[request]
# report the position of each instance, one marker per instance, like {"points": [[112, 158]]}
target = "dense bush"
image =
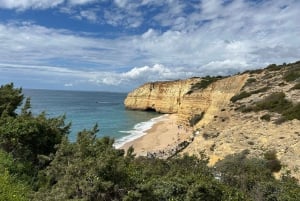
{"points": [[275, 102], [10, 99], [292, 112], [266, 117], [292, 74], [37, 162], [274, 67]]}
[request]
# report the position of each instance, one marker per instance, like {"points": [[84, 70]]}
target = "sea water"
{"points": [[84, 109]]}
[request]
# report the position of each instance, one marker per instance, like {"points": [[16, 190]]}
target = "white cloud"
{"points": [[68, 85], [40, 4], [80, 2], [213, 38], [29, 4], [90, 15]]}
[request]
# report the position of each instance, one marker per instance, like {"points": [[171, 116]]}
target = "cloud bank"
{"points": [[172, 39]]}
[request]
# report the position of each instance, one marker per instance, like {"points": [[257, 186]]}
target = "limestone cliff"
{"points": [[163, 97], [233, 125], [174, 97]]}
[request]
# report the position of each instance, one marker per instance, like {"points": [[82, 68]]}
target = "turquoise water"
{"points": [[85, 109]]}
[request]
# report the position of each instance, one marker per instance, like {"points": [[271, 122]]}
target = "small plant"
{"points": [[251, 80], [292, 75], [245, 94], [255, 71], [240, 96], [196, 118], [292, 112], [260, 90], [275, 102], [281, 84], [273, 67], [266, 117], [272, 162]]}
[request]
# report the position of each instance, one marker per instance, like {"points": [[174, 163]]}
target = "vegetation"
{"points": [[245, 94], [276, 102], [205, 82], [292, 74], [196, 118], [274, 67], [37, 162], [251, 80], [266, 117]]}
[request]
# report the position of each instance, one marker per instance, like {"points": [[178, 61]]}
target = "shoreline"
{"points": [[163, 136]]}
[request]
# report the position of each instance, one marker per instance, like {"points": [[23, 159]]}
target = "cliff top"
{"points": [[257, 110]]}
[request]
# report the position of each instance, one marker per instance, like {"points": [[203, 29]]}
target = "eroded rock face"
{"points": [[211, 99], [163, 97], [173, 97], [225, 129]]}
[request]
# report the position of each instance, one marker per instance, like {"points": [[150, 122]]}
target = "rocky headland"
{"points": [[258, 111]]}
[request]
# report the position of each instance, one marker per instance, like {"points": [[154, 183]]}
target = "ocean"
{"points": [[84, 109]]}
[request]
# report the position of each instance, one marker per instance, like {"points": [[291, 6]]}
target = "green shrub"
{"points": [[196, 118], [245, 94], [272, 163], [273, 67], [251, 80], [292, 75], [204, 82], [240, 96], [11, 189], [266, 117], [292, 112], [260, 90], [275, 102], [255, 71]]}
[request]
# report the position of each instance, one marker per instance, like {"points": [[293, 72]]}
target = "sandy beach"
{"points": [[164, 135]]}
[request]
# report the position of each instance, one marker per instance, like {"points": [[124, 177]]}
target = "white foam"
{"points": [[138, 131]]}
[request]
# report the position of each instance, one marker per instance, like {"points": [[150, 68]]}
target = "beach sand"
{"points": [[164, 135]]}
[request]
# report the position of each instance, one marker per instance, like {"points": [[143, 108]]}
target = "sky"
{"points": [[117, 45]]}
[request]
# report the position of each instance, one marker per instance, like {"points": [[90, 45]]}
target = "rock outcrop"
{"points": [[163, 97], [224, 126]]}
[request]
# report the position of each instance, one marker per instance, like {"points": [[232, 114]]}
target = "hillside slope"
{"points": [[257, 110]]}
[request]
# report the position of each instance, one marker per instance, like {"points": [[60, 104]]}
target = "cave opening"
{"points": [[150, 109]]}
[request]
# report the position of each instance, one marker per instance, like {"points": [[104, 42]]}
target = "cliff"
{"points": [[232, 114], [163, 97]]}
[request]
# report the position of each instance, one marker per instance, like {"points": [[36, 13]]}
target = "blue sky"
{"points": [[116, 45]]}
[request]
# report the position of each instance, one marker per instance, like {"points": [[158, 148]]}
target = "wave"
{"points": [[138, 131]]}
